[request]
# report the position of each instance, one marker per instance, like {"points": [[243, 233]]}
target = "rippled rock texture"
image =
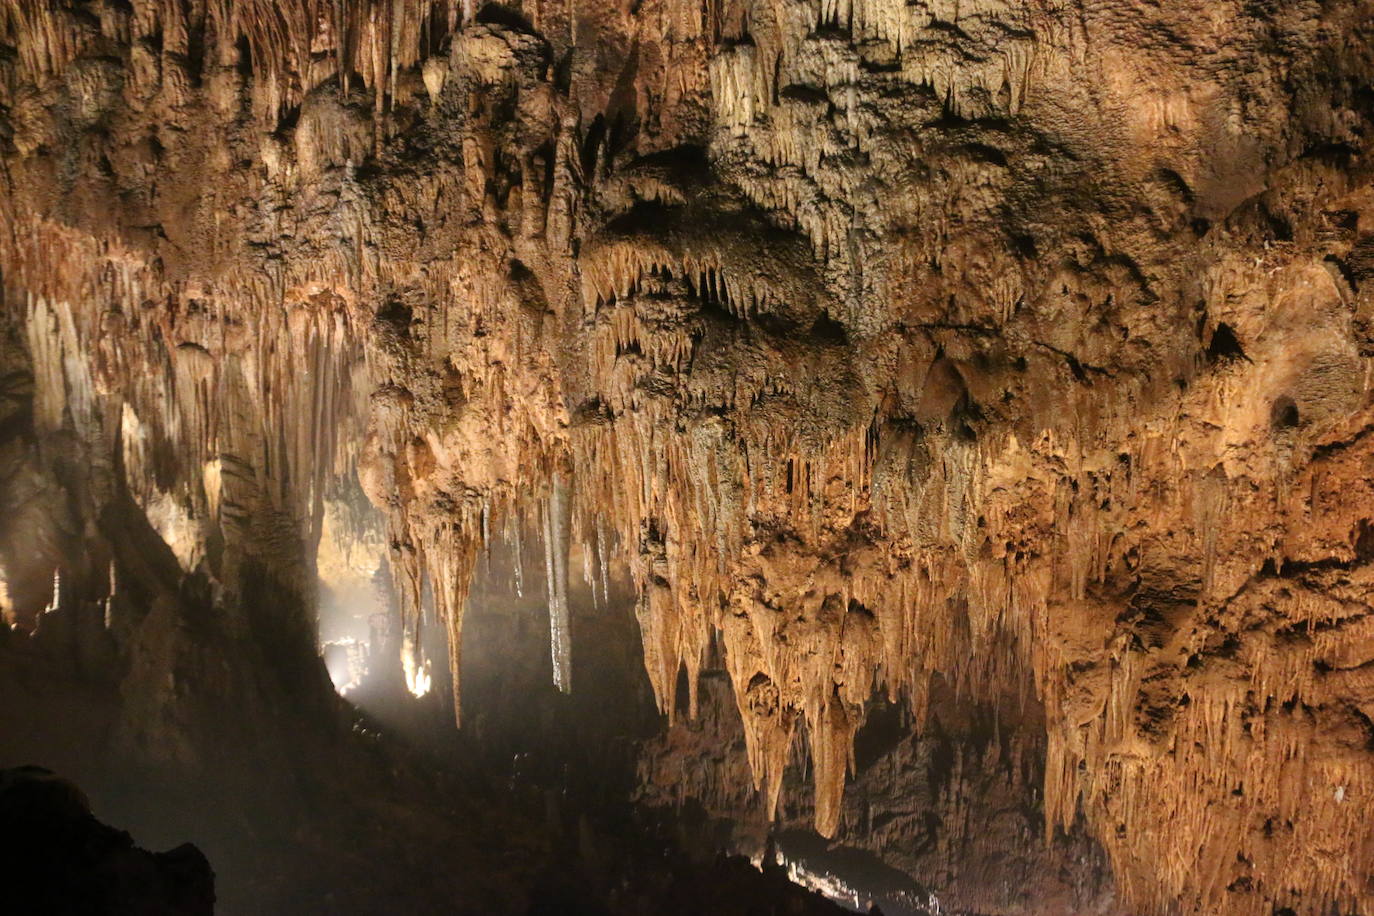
{"points": [[1008, 362]]}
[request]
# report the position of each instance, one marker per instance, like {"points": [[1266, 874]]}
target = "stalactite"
{"points": [[603, 560], [556, 560], [1061, 523], [518, 541]]}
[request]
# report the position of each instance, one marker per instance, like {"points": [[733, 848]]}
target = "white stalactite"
{"points": [[556, 571]]}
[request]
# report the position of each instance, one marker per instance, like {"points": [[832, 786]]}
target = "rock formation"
{"points": [[57, 858], [971, 356]]}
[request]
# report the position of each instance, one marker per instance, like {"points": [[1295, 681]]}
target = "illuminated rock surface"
{"points": [[1000, 366]]}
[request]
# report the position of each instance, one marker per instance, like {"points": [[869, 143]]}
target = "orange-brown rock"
{"points": [[1008, 347]]}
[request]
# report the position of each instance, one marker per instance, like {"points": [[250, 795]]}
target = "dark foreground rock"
{"points": [[57, 858]]}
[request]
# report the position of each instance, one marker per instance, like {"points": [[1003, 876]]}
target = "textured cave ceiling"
{"points": [[994, 354]]}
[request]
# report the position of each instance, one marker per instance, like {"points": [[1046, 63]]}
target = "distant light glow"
{"points": [[418, 679], [836, 888], [55, 601], [346, 661], [6, 610]]}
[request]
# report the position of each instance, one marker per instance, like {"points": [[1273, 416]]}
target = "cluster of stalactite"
{"points": [[225, 425], [872, 342], [951, 804]]}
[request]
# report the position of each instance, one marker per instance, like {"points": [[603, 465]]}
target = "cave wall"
{"points": [[909, 348]]}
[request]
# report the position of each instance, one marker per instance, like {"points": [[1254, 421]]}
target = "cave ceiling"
{"points": [[1022, 346]]}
